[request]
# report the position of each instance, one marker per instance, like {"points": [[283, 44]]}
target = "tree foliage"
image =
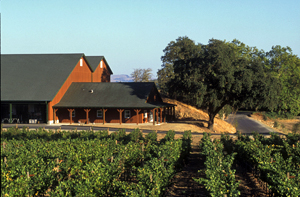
{"points": [[285, 66], [164, 75], [142, 75], [183, 48], [218, 74]]}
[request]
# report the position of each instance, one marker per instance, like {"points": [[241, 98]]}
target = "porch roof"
{"points": [[109, 95]]}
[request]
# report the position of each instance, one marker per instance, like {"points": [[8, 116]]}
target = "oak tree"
{"points": [[218, 74]]}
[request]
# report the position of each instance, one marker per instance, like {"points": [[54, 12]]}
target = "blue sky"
{"points": [[133, 34]]}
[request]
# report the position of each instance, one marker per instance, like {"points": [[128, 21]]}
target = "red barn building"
{"points": [[73, 88]]}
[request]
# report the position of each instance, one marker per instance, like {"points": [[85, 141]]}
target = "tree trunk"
{"points": [[211, 121]]}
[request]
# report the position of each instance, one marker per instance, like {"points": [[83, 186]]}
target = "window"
{"points": [[81, 62], [127, 114], [99, 114], [101, 64]]}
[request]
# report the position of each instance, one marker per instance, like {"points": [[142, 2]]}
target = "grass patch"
{"points": [[276, 115], [296, 128]]}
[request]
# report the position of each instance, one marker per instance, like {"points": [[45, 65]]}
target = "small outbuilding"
{"points": [[129, 102]]}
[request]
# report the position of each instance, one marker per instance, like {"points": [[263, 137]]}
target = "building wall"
{"points": [[79, 74], [111, 116], [101, 74]]}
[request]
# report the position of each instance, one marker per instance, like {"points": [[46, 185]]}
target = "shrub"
{"points": [[289, 116], [276, 124], [296, 128], [272, 115], [265, 117], [276, 115]]}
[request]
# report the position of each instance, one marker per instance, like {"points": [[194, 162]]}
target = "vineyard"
{"points": [[89, 163], [274, 161]]}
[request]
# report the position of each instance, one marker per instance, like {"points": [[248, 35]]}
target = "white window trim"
{"points": [[81, 62], [101, 114], [125, 113], [101, 64]]}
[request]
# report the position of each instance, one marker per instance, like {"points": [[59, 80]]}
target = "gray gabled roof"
{"points": [[109, 95], [35, 77], [95, 60]]}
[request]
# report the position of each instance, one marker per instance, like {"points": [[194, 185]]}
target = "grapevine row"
{"points": [[276, 159], [220, 177]]}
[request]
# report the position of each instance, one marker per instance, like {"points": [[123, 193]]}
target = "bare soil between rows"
{"points": [[183, 183]]}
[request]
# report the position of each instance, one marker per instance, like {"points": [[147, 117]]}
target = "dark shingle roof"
{"points": [[95, 60], [35, 77], [109, 95]]}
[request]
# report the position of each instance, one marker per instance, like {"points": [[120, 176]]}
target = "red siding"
{"points": [[101, 74], [79, 74]]}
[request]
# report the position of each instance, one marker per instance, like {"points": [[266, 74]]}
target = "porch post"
{"points": [[160, 114], [137, 115], [10, 112], [120, 111], [46, 112], [173, 112], [70, 111], [87, 115], [153, 116], [54, 115], [104, 110], [157, 116], [165, 114]]}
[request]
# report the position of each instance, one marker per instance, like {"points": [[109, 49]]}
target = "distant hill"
{"points": [[121, 78]]}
